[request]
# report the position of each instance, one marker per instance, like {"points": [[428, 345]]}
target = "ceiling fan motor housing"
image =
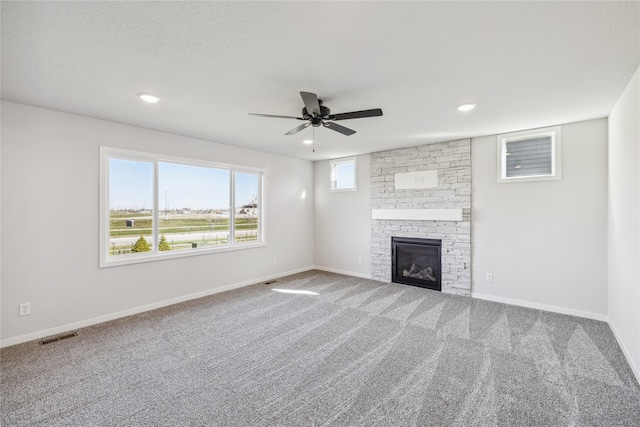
{"points": [[325, 112]]}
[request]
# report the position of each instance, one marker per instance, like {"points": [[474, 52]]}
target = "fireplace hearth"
{"points": [[416, 261]]}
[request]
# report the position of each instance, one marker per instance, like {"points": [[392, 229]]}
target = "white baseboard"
{"points": [[545, 307], [625, 351], [345, 272], [135, 310]]}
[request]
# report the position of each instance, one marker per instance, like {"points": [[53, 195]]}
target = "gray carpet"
{"points": [[359, 353]]}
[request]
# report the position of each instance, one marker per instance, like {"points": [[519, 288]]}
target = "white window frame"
{"points": [[107, 153], [334, 163], [554, 132]]}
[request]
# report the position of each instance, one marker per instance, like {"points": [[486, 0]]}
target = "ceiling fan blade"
{"points": [[343, 130], [298, 128], [357, 114], [276, 116], [311, 103]]}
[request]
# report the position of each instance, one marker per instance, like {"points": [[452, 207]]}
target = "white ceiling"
{"points": [[525, 64]]}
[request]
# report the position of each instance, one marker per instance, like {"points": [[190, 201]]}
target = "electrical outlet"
{"points": [[25, 309], [489, 277], [359, 260], [275, 260]]}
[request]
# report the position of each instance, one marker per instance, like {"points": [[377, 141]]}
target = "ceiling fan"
{"points": [[317, 114]]}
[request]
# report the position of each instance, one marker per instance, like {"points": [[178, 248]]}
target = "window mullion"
{"points": [[156, 201], [232, 209], [260, 211]]}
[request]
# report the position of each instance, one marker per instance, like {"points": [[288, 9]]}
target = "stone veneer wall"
{"points": [[453, 162]]}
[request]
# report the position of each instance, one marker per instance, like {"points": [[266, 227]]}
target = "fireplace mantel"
{"points": [[418, 214]]}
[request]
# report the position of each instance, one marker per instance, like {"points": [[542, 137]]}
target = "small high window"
{"points": [[532, 155], [344, 174]]}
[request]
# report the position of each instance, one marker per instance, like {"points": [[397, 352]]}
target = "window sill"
{"points": [[530, 178], [137, 259], [342, 190]]}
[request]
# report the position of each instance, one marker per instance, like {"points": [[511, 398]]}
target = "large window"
{"points": [[155, 207], [529, 155]]}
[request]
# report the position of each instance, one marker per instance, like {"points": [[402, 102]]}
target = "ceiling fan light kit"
{"points": [[318, 115]]}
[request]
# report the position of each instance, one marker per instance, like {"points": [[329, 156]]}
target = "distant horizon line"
{"points": [[252, 206]]}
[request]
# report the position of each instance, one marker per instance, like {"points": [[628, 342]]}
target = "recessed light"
{"points": [[308, 141], [149, 97], [466, 107]]}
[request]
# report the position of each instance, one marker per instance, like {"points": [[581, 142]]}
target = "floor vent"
{"points": [[58, 338], [270, 282]]}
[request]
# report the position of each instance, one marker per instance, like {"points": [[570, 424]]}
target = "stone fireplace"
{"points": [[424, 192]]}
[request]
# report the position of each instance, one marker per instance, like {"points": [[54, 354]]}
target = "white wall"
{"points": [[343, 222], [50, 224], [545, 242], [624, 222]]}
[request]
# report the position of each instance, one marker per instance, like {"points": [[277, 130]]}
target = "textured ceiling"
{"points": [[525, 64]]}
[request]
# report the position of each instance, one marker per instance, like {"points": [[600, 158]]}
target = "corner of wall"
{"points": [[623, 222]]}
